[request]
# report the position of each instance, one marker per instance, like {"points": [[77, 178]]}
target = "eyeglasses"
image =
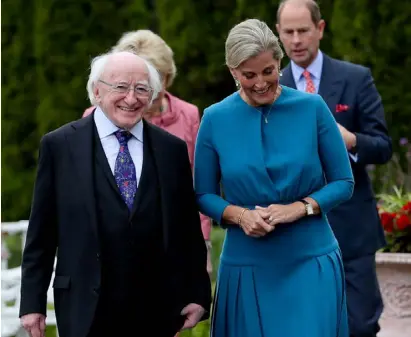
{"points": [[140, 90]]}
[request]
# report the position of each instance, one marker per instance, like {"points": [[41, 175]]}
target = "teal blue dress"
{"points": [[289, 283]]}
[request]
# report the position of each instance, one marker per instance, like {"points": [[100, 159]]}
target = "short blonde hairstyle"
{"points": [[249, 39], [153, 48]]}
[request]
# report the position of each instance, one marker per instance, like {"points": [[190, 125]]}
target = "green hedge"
{"points": [[47, 46]]}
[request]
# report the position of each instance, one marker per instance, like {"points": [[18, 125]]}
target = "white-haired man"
{"points": [[114, 197]]}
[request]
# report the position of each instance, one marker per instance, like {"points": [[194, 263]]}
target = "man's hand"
{"points": [[34, 324], [350, 139], [193, 313]]}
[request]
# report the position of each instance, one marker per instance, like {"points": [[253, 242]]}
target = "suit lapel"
{"points": [[161, 155], [80, 142], [331, 83], [287, 78]]}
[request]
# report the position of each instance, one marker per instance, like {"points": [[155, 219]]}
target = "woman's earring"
{"points": [[280, 73], [237, 83]]}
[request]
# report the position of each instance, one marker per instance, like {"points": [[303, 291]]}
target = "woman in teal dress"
{"points": [[279, 158]]}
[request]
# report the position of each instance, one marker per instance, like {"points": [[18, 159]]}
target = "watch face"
{"points": [[310, 210]]}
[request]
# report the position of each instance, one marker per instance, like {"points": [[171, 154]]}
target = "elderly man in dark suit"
{"points": [[114, 198], [352, 97]]}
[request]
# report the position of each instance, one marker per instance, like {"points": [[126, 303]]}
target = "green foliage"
{"points": [[47, 47], [394, 202], [373, 34], [397, 172]]}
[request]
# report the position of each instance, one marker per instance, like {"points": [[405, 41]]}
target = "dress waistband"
{"points": [[288, 243]]}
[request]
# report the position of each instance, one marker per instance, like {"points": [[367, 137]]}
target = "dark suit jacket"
{"points": [[63, 218], [355, 223]]}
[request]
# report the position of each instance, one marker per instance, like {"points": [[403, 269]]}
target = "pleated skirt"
{"points": [[290, 299]]}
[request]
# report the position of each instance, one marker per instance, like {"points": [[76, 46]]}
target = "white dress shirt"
{"points": [[111, 145], [315, 69]]}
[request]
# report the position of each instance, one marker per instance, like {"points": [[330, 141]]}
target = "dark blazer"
{"points": [[350, 93], [63, 219]]}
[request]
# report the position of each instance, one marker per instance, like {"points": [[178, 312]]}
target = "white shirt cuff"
{"points": [[354, 157]]}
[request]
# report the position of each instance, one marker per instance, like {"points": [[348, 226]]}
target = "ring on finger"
{"points": [[270, 218]]}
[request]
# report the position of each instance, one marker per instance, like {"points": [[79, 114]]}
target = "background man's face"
{"points": [[298, 33]]}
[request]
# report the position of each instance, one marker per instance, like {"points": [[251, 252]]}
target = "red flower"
{"points": [[407, 207], [403, 222], [387, 220]]}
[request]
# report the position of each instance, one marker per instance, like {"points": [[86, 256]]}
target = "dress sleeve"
{"points": [[205, 221], [207, 173], [334, 159]]}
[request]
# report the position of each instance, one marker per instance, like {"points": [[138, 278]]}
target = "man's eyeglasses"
{"points": [[141, 90]]}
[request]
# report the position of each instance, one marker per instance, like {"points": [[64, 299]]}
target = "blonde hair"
{"points": [[153, 48], [248, 39]]}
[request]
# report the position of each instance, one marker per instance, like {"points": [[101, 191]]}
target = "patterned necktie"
{"points": [[124, 169], [309, 84]]}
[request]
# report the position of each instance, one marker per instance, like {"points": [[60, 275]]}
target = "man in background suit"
{"points": [[352, 97], [114, 197]]}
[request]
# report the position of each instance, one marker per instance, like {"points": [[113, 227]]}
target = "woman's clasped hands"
{"points": [[263, 220]]}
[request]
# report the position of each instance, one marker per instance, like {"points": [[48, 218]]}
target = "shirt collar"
{"points": [[315, 68], [105, 126]]}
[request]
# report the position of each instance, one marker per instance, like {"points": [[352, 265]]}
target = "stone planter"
{"points": [[394, 276]]}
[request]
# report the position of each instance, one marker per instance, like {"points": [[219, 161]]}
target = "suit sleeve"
{"points": [[207, 173], [194, 248], [334, 159], [41, 242], [373, 143]]}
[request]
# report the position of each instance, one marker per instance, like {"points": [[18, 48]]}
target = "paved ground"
{"points": [[395, 328]]}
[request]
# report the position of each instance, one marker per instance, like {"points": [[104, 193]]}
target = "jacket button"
{"points": [[98, 256], [96, 291]]}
